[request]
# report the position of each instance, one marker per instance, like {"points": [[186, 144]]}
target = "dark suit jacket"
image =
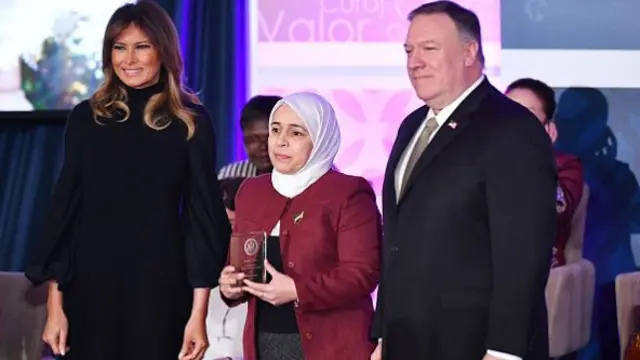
{"points": [[332, 254], [467, 248]]}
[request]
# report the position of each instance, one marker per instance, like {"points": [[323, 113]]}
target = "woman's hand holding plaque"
{"points": [[280, 290], [230, 282]]}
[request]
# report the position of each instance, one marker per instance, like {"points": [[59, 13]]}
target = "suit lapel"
{"points": [[405, 133], [455, 125]]}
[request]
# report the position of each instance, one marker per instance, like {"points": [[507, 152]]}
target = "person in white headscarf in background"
{"points": [[323, 252]]}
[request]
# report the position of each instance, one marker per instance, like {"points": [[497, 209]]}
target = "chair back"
{"points": [[627, 299], [23, 314]]}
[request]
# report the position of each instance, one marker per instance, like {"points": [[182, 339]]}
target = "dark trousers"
{"points": [[279, 346]]}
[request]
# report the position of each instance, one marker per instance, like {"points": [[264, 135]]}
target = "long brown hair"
{"points": [[111, 95]]}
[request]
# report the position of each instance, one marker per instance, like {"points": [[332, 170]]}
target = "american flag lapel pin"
{"points": [[452, 124], [298, 217]]}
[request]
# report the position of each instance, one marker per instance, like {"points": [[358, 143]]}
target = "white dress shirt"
{"points": [[441, 118]]}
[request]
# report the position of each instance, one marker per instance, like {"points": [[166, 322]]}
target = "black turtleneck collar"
{"points": [[142, 95]]}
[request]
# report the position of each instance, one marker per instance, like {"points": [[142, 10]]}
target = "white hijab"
{"points": [[320, 120]]}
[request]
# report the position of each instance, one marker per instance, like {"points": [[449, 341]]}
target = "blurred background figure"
{"points": [[229, 187], [254, 123], [540, 99], [225, 324]]}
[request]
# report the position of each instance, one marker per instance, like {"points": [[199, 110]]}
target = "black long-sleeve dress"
{"points": [[136, 222]]}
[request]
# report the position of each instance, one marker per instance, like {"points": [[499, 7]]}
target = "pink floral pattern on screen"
{"points": [[369, 121]]}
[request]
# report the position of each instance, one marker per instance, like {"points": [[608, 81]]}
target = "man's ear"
{"points": [[471, 52]]}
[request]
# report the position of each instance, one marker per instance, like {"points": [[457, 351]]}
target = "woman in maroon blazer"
{"points": [[540, 99], [323, 249]]}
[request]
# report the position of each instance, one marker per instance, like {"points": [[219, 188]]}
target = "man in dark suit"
{"points": [[469, 203]]}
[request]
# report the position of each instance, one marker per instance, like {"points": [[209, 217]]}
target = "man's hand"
{"points": [[489, 357], [377, 353]]}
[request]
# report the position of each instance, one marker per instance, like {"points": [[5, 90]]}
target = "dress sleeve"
{"points": [[520, 186], [50, 259], [206, 223]]}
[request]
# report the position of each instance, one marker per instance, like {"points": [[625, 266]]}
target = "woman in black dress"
{"points": [[137, 233]]}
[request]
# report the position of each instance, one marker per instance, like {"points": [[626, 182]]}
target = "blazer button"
{"points": [[290, 265], [308, 335], [394, 248], [285, 232]]}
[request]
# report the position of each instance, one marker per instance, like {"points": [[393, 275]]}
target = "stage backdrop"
{"points": [[351, 52], [589, 51], [50, 52]]}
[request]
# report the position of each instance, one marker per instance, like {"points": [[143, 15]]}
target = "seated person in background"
{"points": [[229, 189], [254, 122], [224, 325], [324, 246], [540, 99]]}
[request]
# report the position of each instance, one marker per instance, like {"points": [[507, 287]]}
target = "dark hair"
{"points": [[466, 20], [229, 188], [111, 95], [542, 91], [258, 108]]}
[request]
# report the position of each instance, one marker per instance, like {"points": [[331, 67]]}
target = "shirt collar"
{"points": [[446, 112]]}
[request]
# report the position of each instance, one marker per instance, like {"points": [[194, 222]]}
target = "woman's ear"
{"points": [[552, 130], [231, 215]]}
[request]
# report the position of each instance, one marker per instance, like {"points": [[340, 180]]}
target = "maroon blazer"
{"points": [[332, 253], [570, 186]]}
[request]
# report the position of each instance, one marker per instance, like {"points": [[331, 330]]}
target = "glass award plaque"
{"points": [[247, 253]]}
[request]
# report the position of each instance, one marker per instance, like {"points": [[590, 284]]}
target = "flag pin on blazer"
{"points": [[452, 124], [298, 217]]}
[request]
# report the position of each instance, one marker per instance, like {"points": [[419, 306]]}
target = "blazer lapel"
{"points": [[405, 133], [455, 124], [275, 206]]}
